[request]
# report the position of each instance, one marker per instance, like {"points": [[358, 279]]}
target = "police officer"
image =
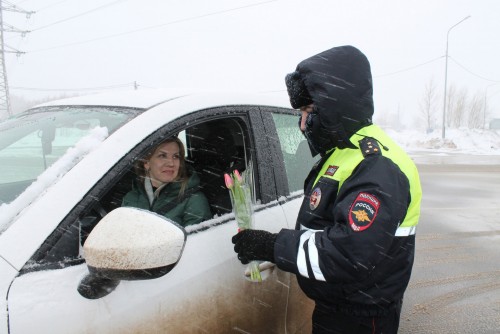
{"points": [[353, 246]]}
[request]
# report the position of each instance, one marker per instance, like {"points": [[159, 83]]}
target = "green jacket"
{"points": [[192, 209]]}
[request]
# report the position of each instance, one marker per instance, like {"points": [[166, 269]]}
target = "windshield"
{"points": [[33, 141]]}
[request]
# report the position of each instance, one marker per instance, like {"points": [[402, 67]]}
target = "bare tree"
{"points": [[457, 107], [461, 108], [476, 110], [464, 111], [383, 118], [428, 106]]}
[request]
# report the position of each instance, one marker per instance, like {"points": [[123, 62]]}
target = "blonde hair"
{"points": [[182, 176]]}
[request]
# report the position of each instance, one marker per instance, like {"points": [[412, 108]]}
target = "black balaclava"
{"points": [[338, 82]]}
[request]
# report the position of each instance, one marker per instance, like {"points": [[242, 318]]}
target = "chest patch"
{"points": [[363, 211], [315, 198], [331, 170]]}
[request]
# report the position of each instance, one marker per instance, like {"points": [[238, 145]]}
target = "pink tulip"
{"points": [[229, 181], [242, 209], [238, 176]]}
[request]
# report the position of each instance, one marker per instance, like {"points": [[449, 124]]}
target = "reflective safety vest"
{"points": [[384, 145]]}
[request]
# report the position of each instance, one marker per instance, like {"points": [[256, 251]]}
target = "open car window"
{"points": [[213, 147]]}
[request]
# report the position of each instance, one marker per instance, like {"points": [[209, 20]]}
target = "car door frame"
{"points": [[300, 307], [265, 173]]}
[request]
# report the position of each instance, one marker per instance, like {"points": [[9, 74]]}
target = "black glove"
{"points": [[254, 245]]}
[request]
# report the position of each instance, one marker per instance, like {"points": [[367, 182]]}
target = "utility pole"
{"points": [[5, 110], [443, 132]]}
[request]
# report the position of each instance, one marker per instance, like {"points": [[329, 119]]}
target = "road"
{"points": [[455, 284]]}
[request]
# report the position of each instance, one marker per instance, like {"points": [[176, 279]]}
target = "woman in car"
{"points": [[167, 186]]}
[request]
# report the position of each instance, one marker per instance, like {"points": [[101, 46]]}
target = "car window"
{"points": [[213, 147], [296, 154], [218, 147], [33, 141]]}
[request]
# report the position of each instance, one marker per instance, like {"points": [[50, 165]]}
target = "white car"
{"points": [[65, 165]]}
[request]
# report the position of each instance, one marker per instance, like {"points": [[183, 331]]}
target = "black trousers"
{"points": [[329, 322]]}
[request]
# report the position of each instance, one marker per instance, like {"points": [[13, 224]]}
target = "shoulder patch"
{"points": [[369, 146], [363, 211], [315, 198]]}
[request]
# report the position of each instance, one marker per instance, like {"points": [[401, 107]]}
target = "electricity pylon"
{"points": [[5, 110], [4, 86]]}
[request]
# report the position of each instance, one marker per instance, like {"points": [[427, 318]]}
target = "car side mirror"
{"points": [[129, 244]]}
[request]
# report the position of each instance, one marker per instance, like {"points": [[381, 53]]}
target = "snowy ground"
{"points": [[457, 141]]}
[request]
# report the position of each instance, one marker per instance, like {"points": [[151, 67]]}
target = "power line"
{"points": [[50, 6], [78, 15], [154, 26], [408, 69], [9, 49], [9, 6], [43, 8], [433, 60], [474, 74]]}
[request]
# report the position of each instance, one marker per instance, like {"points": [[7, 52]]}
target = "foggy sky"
{"points": [[77, 46]]}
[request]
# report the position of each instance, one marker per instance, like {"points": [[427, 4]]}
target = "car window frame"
{"points": [[282, 186], [264, 174], [291, 191]]}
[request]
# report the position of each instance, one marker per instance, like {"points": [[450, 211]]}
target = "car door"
{"points": [[206, 292], [295, 160]]}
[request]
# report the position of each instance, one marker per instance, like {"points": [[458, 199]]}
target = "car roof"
{"points": [[148, 98]]}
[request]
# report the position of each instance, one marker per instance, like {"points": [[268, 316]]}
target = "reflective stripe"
{"points": [[308, 239], [301, 256], [314, 258], [406, 231]]}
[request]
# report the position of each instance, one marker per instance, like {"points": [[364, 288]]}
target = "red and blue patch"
{"points": [[315, 198], [363, 211], [331, 170]]}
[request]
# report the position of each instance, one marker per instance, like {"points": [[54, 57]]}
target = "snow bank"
{"points": [[466, 141]]}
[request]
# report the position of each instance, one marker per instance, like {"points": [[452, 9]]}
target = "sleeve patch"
{"points": [[363, 211], [315, 198]]}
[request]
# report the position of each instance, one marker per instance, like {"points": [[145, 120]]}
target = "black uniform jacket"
{"points": [[355, 263]]}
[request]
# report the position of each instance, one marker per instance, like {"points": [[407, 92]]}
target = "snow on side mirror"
{"points": [[129, 244]]}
